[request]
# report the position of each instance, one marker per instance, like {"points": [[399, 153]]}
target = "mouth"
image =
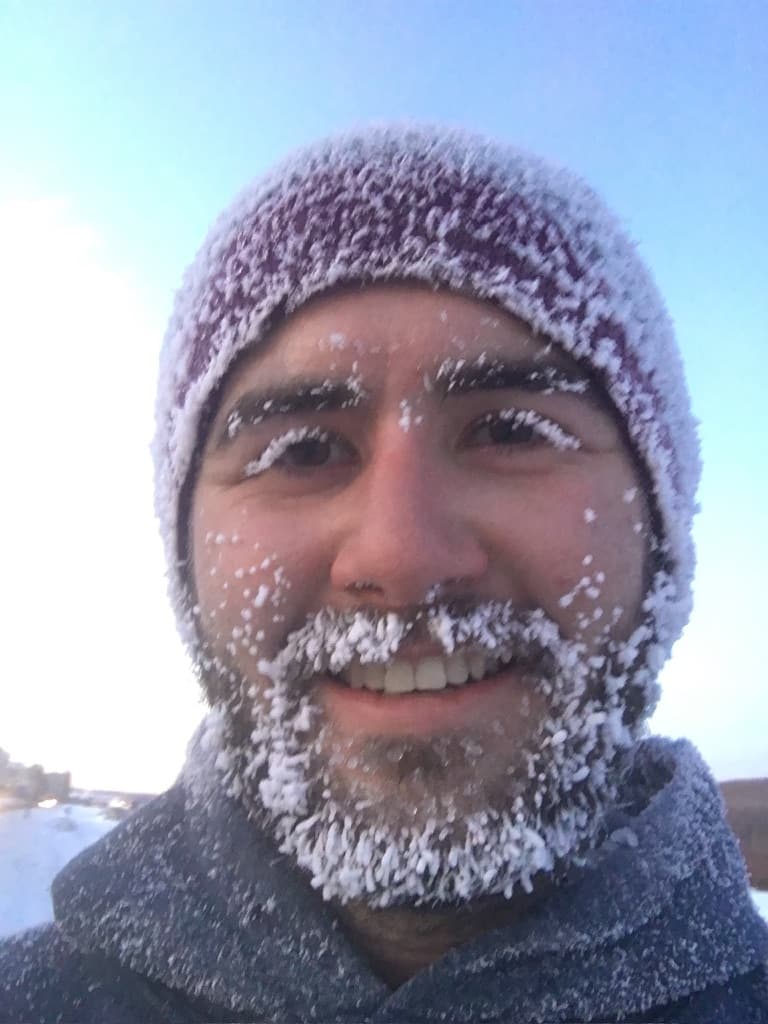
{"points": [[424, 675], [429, 695]]}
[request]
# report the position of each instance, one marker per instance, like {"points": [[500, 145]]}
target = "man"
{"points": [[426, 472]]}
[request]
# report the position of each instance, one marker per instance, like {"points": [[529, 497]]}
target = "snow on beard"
{"points": [[452, 851]]}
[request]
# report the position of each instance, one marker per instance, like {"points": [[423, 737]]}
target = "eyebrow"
{"points": [[254, 407], [462, 377], [453, 377]]}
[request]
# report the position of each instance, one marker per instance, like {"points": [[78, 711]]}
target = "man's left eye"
{"points": [[513, 427]]}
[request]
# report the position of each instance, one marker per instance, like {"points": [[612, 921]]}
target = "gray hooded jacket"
{"points": [[187, 912]]}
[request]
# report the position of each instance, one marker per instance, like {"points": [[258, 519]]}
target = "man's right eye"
{"points": [[301, 450], [306, 454], [314, 453]]}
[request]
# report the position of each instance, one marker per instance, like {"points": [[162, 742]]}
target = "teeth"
{"points": [[399, 678], [430, 674], [433, 673], [373, 677], [476, 664], [456, 670], [356, 675]]}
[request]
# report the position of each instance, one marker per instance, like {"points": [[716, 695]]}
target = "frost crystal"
{"points": [[360, 849], [280, 445]]}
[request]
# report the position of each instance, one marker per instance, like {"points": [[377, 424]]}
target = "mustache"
{"points": [[329, 640]]}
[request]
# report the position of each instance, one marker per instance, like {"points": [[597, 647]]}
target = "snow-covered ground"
{"points": [[760, 897], [35, 844]]}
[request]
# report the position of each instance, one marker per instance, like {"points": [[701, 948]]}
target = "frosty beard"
{"points": [[457, 825]]}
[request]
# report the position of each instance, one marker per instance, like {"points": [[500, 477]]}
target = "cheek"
{"points": [[578, 551], [600, 583], [252, 575]]}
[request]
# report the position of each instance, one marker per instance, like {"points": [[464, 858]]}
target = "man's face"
{"points": [[400, 450]]}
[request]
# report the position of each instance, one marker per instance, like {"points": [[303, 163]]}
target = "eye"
{"points": [[519, 427], [509, 431], [309, 454], [301, 450]]}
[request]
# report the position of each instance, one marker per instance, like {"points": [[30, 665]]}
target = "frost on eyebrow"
{"points": [[302, 396], [484, 372], [355, 384]]}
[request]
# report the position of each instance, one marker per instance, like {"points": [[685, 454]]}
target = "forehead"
{"points": [[397, 331]]}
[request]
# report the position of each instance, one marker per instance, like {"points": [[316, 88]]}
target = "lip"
{"points": [[360, 712]]}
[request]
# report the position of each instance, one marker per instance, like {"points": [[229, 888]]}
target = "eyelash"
{"points": [[527, 423], [279, 446]]}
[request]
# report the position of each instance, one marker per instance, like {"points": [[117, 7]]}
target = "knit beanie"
{"points": [[451, 210]]}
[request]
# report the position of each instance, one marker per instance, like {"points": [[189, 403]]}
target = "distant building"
{"points": [[31, 783]]}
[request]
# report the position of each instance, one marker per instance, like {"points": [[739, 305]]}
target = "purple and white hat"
{"points": [[453, 210]]}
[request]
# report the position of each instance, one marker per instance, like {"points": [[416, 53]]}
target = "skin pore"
{"points": [[386, 446]]}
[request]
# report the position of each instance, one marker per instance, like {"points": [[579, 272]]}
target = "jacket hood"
{"points": [[189, 892]]}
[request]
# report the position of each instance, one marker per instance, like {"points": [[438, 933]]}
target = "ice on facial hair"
{"points": [[351, 853]]}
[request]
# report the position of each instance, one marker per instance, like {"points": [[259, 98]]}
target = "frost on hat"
{"points": [[452, 210]]}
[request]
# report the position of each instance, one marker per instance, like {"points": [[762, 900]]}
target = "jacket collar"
{"points": [[191, 893]]}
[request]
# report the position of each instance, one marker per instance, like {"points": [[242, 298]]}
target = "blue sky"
{"points": [[126, 128]]}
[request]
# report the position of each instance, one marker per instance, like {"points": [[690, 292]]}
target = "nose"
{"points": [[408, 527]]}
